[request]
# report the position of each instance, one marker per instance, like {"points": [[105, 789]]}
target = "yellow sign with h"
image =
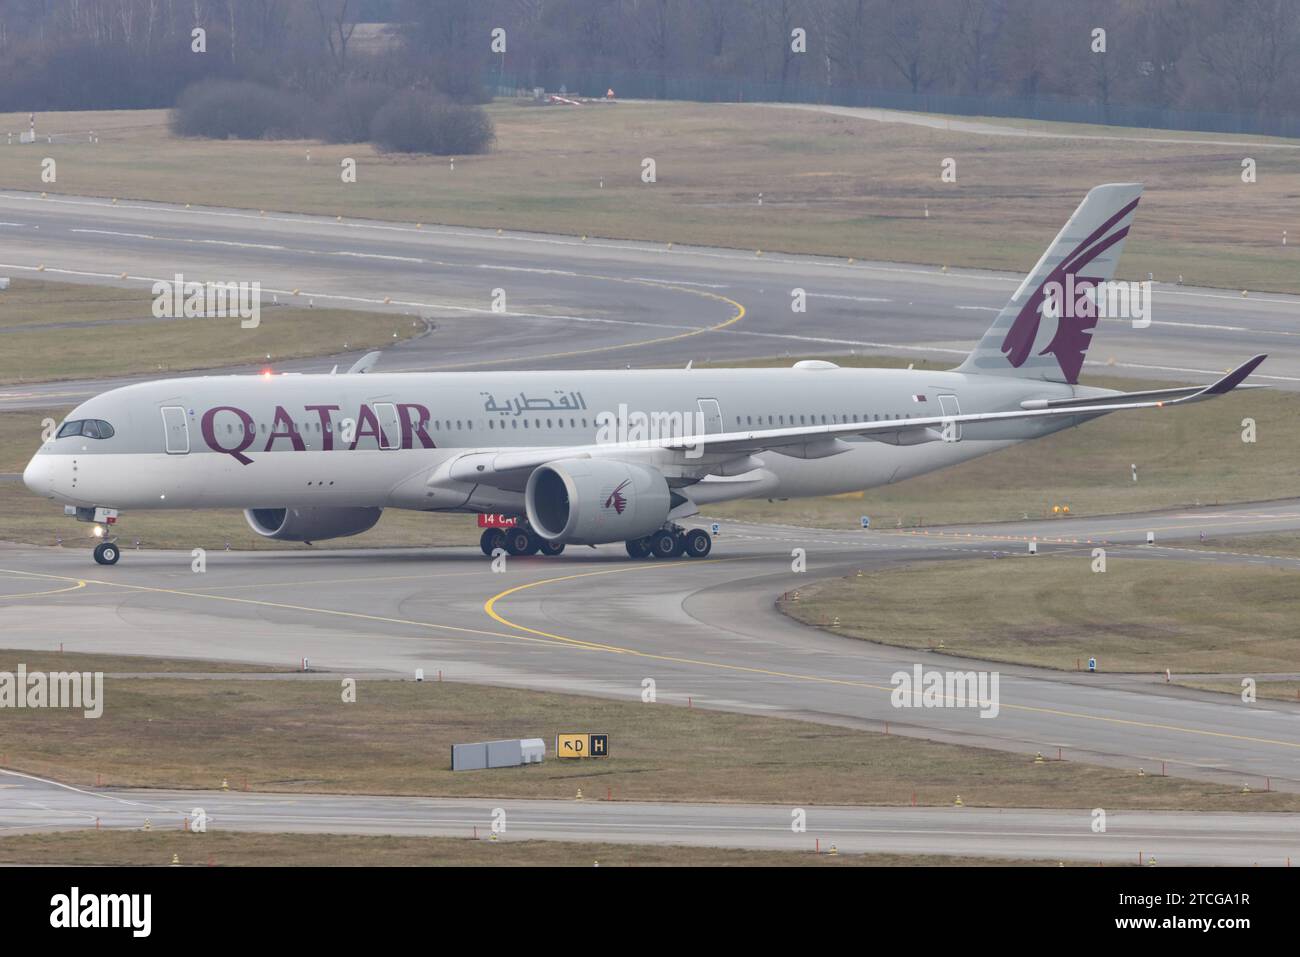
{"points": [[581, 745]]}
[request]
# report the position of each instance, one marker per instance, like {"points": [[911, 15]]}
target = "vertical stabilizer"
{"points": [[1031, 342]]}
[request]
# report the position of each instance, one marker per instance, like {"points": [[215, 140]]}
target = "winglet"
{"points": [[1233, 378]]}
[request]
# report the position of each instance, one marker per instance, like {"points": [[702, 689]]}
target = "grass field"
{"points": [[1286, 545], [1275, 690], [832, 185], [1139, 615], [51, 330], [396, 739], [232, 849]]}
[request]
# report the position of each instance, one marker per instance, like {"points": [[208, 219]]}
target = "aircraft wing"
{"points": [[820, 441]]}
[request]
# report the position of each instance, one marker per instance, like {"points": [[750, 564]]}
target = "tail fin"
{"points": [[1030, 342]]}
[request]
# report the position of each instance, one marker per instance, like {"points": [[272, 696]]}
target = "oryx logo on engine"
{"points": [[616, 501]]}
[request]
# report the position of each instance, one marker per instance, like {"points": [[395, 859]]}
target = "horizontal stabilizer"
{"points": [[364, 364]]}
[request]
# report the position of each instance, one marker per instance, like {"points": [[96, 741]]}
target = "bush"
{"points": [[347, 115], [222, 109], [416, 122]]}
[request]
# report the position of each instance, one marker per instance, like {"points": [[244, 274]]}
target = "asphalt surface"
{"points": [[593, 622], [1153, 837], [572, 303]]}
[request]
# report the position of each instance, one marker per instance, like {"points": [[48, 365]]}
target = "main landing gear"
{"points": [[672, 542], [519, 540]]}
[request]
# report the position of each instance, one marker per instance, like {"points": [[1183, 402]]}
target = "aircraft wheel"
{"points": [[638, 548], [491, 540], [519, 541], [698, 543], [106, 553], [664, 544], [551, 548]]}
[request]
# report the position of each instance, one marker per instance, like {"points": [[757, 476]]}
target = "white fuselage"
{"points": [[394, 440]]}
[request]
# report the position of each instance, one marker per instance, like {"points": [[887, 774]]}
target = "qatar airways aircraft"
{"points": [[593, 457]]}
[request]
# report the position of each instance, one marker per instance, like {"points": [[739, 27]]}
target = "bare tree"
{"points": [[1255, 47], [974, 30], [905, 41], [849, 26], [337, 24]]}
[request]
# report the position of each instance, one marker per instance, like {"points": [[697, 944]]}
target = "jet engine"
{"points": [[310, 524], [592, 501]]}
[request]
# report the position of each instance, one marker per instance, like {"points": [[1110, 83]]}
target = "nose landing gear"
{"points": [[105, 519], [107, 553]]}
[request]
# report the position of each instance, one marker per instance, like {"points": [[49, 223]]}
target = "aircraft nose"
{"points": [[39, 474]]}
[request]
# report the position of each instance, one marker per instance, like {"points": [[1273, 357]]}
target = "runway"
{"points": [[592, 622], [575, 303], [1167, 838]]}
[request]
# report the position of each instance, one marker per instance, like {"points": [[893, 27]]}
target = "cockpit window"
{"points": [[89, 428]]}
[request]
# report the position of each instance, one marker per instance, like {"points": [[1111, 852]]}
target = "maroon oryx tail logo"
{"points": [[1073, 334], [616, 501]]}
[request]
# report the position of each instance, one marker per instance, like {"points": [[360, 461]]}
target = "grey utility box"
{"points": [[497, 754]]}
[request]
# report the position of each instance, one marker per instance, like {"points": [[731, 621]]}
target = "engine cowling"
{"points": [[592, 501], [310, 524]]}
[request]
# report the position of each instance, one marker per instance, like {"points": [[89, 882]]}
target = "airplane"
{"points": [[596, 457]]}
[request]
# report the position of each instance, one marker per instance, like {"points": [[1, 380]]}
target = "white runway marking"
{"points": [[826, 295], [400, 259], [1205, 325], [113, 232]]}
